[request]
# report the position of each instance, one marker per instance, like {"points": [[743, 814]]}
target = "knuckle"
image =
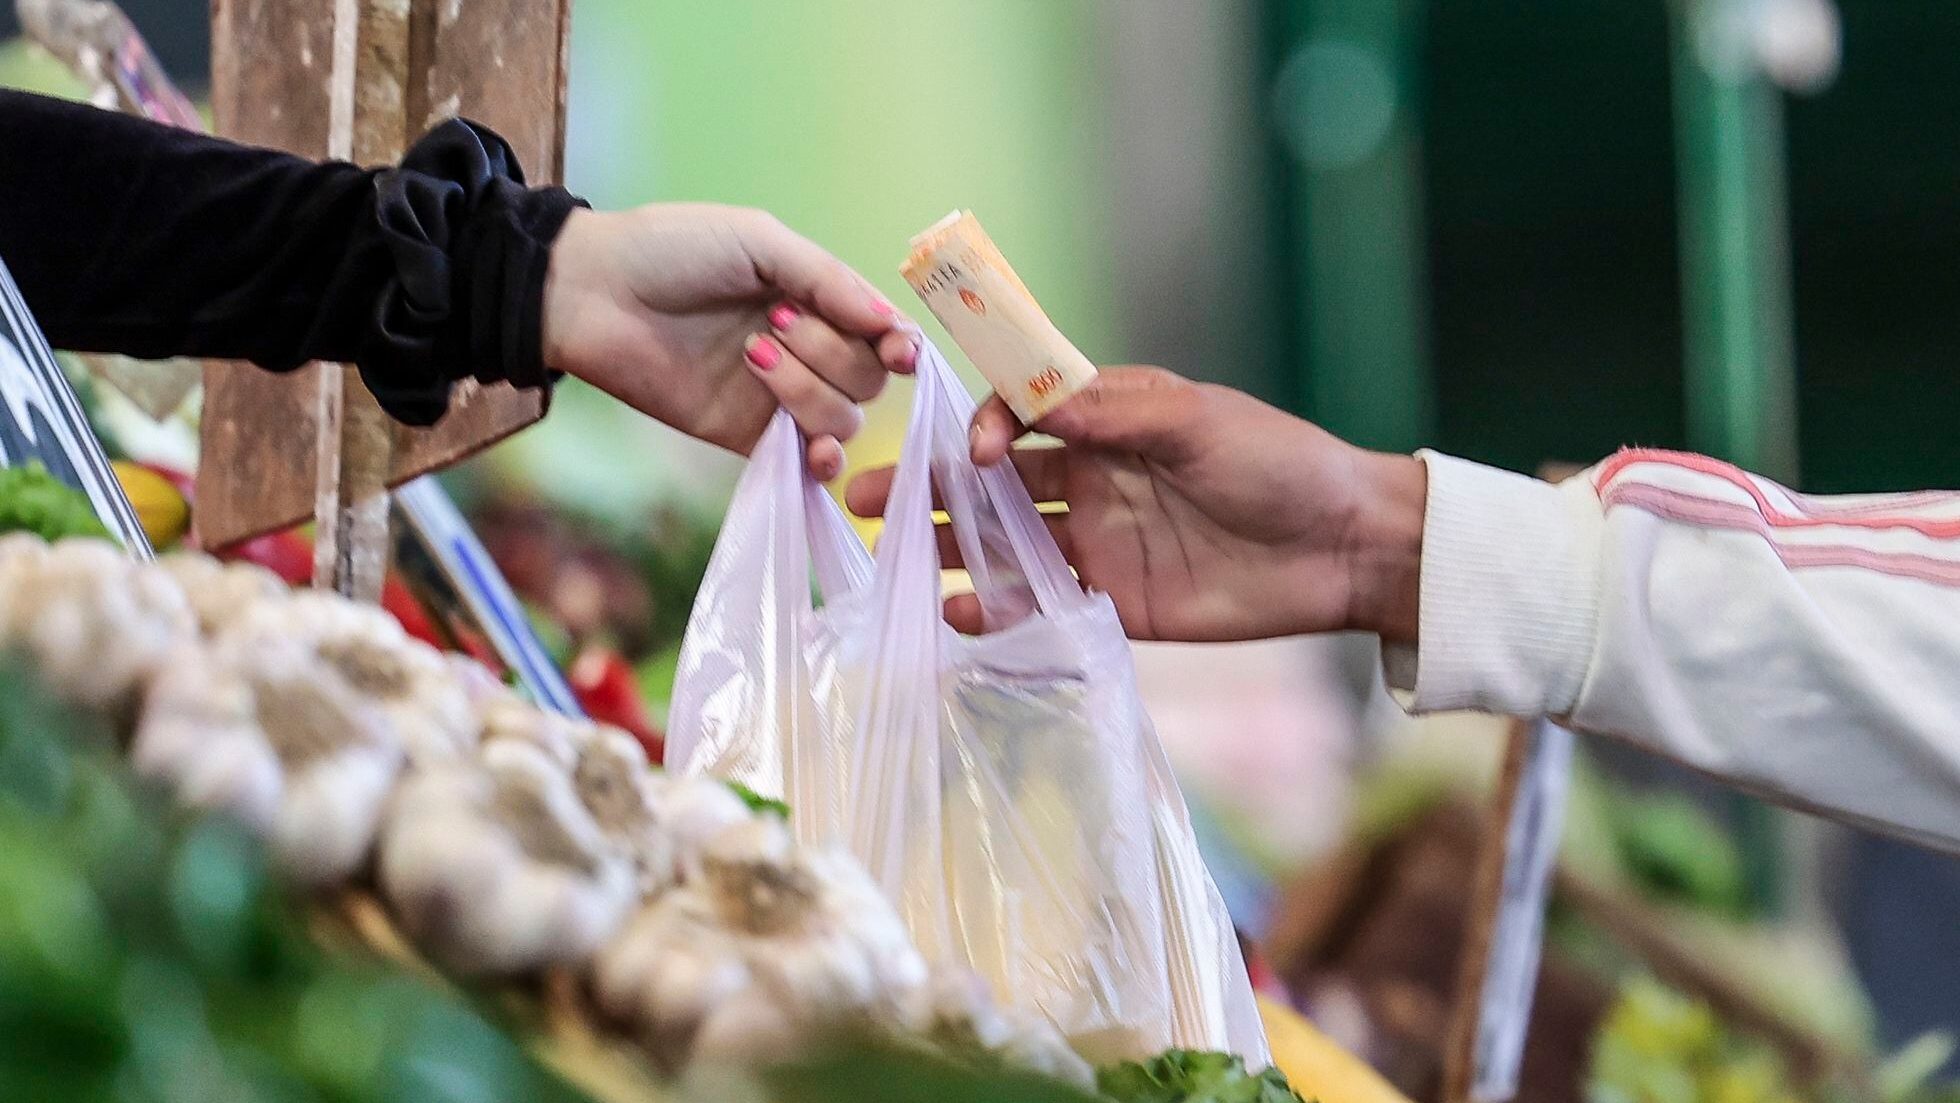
{"points": [[762, 221]]}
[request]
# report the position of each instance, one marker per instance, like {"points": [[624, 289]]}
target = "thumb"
{"points": [[995, 428], [1131, 409]]}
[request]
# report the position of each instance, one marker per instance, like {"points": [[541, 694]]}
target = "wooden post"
{"points": [[1498, 967], [361, 79], [367, 94]]}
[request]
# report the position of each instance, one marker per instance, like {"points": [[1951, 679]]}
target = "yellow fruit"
{"points": [[163, 513], [1316, 1067]]}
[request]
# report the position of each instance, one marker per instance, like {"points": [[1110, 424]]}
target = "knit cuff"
{"points": [[1509, 596]]}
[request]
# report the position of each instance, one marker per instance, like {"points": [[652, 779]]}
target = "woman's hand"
{"points": [[708, 317], [1206, 514]]}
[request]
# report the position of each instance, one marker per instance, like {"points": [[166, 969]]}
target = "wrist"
{"points": [[1384, 551], [569, 284]]}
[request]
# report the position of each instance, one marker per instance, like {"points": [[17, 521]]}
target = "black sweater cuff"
{"points": [[466, 247]]}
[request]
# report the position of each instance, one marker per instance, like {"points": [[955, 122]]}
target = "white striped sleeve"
{"points": [[1805, 648]]}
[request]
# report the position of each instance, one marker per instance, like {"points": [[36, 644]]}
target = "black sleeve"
{"points": [[132, 237]]}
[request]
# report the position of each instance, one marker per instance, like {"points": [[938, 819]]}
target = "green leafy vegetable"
{"points": [[759, 803], [32, 500], [1191, 1076]]}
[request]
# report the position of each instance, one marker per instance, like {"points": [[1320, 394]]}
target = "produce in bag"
{"points": [[1006, 791]]}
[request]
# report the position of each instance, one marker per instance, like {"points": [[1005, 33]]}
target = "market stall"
{"points": [[376, 805]]}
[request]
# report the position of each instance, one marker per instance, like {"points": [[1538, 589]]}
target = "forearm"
{"points": [[131, 237], [1805, 649]]}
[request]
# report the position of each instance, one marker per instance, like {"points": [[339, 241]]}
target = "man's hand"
{"points": [[1206, 514], [708, 317]]}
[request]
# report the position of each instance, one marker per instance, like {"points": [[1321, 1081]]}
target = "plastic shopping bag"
{"points": [[1006, 790]]}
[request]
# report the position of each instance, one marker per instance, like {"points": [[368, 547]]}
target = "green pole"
{"points": [[1736, 313], [1735, 268], [1344, 107]]}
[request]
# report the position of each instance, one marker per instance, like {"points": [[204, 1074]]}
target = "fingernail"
{"points": [[762, 352], [973, 440], [880, 306], [783, 316]]}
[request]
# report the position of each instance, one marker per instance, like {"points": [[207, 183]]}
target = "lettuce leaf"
{"points": [[1191, 1076], [32, 500]]}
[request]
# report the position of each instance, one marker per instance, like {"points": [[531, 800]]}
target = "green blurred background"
{"points": [[1455, 223]]}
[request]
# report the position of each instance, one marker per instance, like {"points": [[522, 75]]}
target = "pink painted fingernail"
{"points": [[880, 306], [783, 317], [762, 352]]}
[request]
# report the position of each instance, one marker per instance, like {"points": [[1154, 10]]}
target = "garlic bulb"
{"points": [[23, 555], [268, 735], [766, 949], [617, 785], [220, 593], [479, 685], [692, 812], [95, 624], [23, 546], [669, 968], [496, 867], [505, 715], [411, 681], [747, 1030]]}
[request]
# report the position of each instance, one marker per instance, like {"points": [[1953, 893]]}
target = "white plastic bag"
{"points": [[1007, 790]]}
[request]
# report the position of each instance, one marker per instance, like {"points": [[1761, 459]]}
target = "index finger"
{"points": [[865, 495], [811, 275]]}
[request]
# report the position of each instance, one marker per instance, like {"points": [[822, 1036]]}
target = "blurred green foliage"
{"points": [[1677, 853], [1658, 1046], [32, 69], [32, 500]]}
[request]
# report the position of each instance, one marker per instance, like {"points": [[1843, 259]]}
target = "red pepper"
{"points": [[400, 602], [604, 684], [287, 554], [472, 643]]}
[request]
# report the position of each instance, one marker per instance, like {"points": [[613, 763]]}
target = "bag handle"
{"points": [[1012, 558], [1015, 565]]}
